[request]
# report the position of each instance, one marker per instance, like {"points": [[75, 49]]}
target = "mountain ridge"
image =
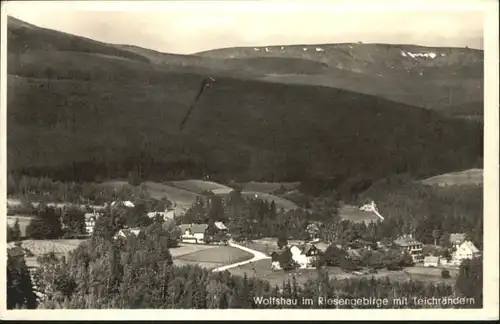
{"points": [[443, 83], [112, 117]]}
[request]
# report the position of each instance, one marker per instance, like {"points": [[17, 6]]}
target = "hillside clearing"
{"points": [[280, 202], [355, 215], [262, 270], [180, 197], [466, 177], [199, 186], [268, 187]]}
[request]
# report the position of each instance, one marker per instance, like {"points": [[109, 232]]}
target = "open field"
{"points": [[178, 196], [184, 193], [268, 187], [213, 257], [262, 269], [266, 248], [467, 177], [40, 247], [354, 214], [430, 274], [199, 186], [184, 249], [181, 197], [280, 202]]}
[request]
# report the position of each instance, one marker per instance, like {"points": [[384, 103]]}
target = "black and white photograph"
{"points": [[248, 155]]}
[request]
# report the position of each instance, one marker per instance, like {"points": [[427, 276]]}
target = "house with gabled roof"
{"points": [[466, 250], [216, 232], [193, 233], [305, 255]]}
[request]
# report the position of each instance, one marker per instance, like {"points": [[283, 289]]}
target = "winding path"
{"points": [[257, 256]]}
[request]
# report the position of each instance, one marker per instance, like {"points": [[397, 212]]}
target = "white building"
{"points": [[432, 261], [408, 244], [305, 255], [466, 250], [90, 219], [193, 233]]}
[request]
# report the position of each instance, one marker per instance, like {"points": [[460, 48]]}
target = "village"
{"points": [[281, 255]]}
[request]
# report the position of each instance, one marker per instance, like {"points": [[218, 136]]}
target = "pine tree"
{"points": [[16, 231], [19, 286], [74, 221], [470, 281]]}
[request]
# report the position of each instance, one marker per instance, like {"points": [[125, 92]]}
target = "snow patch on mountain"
{"points": [[414, 55]]}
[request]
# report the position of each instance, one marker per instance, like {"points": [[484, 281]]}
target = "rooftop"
{"points": [[406, 240], [469, 245], [220, 225], [195, 228]]}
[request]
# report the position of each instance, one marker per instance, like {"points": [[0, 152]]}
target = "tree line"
{"points": [[50, 222], [44, 189], [430, 214]]}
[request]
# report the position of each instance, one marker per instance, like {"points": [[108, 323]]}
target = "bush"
{"points": [[445, 274], [348, 265]]}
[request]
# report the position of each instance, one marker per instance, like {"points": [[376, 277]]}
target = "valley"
{"points": [[201, 180]]}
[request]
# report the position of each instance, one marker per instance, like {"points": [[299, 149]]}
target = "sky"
{"points": [[190, 27]]}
